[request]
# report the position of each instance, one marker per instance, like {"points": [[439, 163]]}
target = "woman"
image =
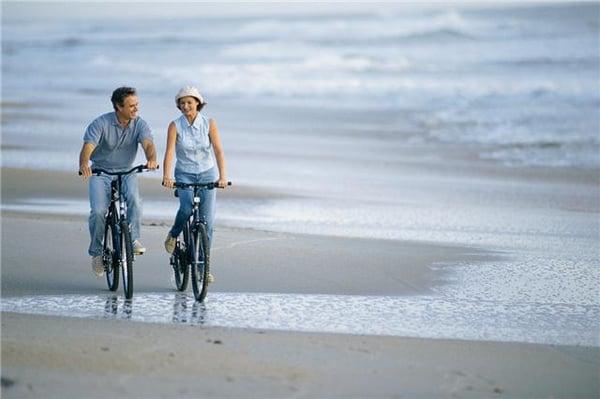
{"points": [[193, 138]]}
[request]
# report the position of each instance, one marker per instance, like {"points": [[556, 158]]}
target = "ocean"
{"points": [[518, 84], [366, 120]]}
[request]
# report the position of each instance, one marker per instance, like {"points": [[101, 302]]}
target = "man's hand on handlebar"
{"points": [[85, 171], [152, 165]]}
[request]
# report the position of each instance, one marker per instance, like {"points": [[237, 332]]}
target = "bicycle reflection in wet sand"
{"points": [[183, 313], [111, 308]]}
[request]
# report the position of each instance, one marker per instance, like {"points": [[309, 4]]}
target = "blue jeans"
{"points": [[99, 192], [186, 196]]}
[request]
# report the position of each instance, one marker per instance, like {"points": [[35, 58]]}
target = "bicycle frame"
{"points": [[116, 189], [117, 198], [191, 226], [195, 218], [118, 206]]}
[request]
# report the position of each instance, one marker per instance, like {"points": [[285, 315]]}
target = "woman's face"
{"points": [[188, 105]]}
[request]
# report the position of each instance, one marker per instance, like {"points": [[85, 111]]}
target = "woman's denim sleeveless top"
{"points": [[193, 148]]}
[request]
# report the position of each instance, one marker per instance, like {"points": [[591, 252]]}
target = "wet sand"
{"points": [[47, 356], [242, 261]]}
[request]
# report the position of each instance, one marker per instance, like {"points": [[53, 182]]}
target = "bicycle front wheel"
{"points": [[110, 252], [126, 259], [180, 265], [200, 262]]}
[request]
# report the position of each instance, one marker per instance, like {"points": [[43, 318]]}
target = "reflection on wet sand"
{"points": [[414, 316], [111, 308], [185, 309], [184, 313]]}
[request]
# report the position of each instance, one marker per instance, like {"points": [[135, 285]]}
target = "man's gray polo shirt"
{"points": [[116, 147]]}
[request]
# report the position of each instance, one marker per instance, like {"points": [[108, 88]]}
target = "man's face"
{"points": [[129, 109]]}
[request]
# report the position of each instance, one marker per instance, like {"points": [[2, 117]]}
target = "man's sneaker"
{"points": [[170, 243], [138, 248], [210, 279], [98, 266]]}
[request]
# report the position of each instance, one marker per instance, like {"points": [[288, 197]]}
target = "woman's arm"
{"points": [[215, 139], [169, 155]]}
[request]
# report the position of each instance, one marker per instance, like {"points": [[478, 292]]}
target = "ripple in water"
{"points": [[424, 317]]}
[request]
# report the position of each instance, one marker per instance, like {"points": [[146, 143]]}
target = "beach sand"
{"points": [[52, 357], [55, 357]]}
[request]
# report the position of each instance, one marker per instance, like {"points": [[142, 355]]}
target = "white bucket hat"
{"points": [[189, 91]]}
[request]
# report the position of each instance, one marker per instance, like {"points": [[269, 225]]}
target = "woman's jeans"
{"points": [[186, 197], [99, 192]]}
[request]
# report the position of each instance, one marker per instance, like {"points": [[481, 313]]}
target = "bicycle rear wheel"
{"points": [[127, 259], [110, 252], [200, 262], [180, 265]]}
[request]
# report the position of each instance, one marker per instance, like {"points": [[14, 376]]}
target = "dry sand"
{"points": [[53, 357], [58, 357]]}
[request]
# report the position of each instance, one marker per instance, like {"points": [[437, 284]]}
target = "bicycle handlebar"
{"points": [[137, 169], [209, 186]]}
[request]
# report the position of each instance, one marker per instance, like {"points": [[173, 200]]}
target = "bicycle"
{"points": [[117, 246], [192, 249]]}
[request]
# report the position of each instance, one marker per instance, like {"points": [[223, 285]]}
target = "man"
{"points": [[111, 143]]}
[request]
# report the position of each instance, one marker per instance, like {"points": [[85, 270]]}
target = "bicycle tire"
{"points": [[127, 259], [180, 266], [110, 252], [200, 264]]}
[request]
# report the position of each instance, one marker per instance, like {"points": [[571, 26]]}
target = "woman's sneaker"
{"points": [[170, 243], [138, 248], [98, 266]]}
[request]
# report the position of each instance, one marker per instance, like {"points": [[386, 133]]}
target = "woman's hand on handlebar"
{"points": [[222, 183]]}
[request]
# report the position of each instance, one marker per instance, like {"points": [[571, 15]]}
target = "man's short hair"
{"points": [[119, 95]]}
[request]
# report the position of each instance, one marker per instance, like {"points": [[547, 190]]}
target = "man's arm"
{"points": [[84, 159], [150, 152]]}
